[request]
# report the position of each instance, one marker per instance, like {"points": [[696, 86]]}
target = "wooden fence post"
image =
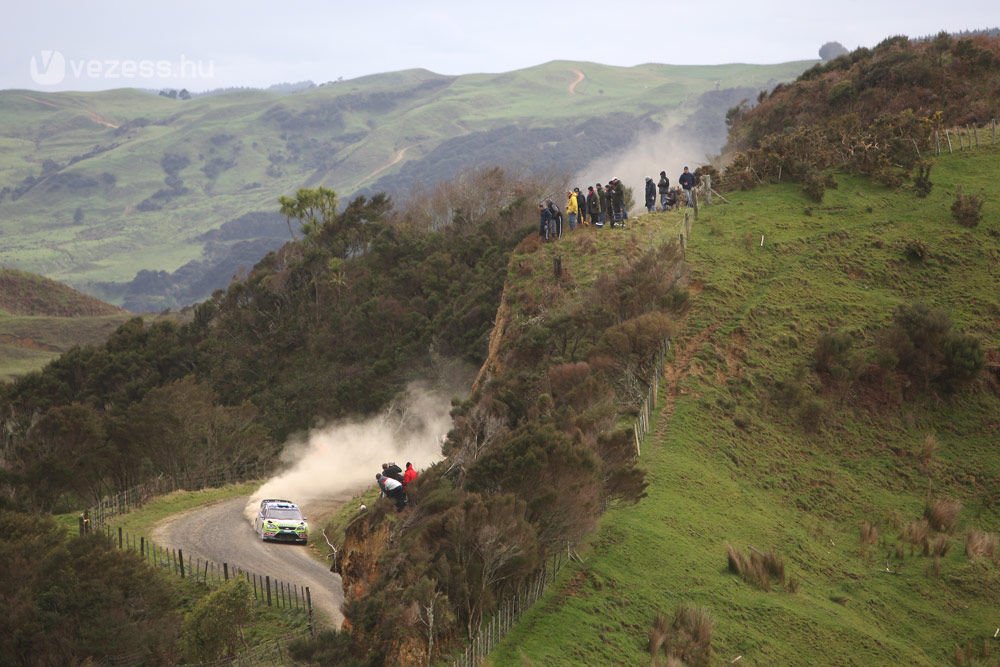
{"points": [[309, 607], [180, 559], [225, 571], [267, 579]]}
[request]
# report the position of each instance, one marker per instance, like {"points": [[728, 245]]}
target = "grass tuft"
{"points": [[942, 514], [980, 544], [685, 640]]}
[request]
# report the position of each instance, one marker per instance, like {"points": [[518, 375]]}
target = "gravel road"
{"points": [[220, 532]]}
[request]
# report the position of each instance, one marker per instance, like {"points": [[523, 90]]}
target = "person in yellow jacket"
{"points": [[572, 209]]}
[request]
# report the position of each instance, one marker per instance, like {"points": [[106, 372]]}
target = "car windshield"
{"points": [[284, 514]]}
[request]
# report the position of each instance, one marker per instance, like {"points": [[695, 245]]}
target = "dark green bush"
{"points": [[921, 345], [922, 180], [967, 210], [917, 250]]}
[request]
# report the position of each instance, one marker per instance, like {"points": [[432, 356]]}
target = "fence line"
{"points": [[514, 605], [136, 496], [966, 137], [273, 592]]}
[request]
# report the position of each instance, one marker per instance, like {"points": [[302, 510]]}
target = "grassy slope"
{"points": [[115, 240], [755, 316], [40, 319]]}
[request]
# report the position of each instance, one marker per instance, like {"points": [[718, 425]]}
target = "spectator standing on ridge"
{"points": [[687, 182], [571, 210], [650, 195], [409, 475], [602, 198], [593, 207], [664, 187], [581, 206], [544, 221], [556, 224], [618, 202], [391, 488]]}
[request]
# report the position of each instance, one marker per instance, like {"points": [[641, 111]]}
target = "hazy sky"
{"points": [[76, 45]]}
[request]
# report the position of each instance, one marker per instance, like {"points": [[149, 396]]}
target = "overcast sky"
{"points": [[76, 45]]}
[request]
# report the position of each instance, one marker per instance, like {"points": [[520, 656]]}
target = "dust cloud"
{"points": [[666, 150], [335, 462]]}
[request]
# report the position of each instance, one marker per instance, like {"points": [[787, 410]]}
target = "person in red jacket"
{"points": [[409, 475]]}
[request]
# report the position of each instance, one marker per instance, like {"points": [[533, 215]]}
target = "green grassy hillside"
{"points": [[96, 187], [40, 319], [751, 449]]}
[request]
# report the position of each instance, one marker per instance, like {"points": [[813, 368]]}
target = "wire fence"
{"points": [[267, 591], [272, 592], [510, 609], [136, 496], [273, 652], [965, 138]]}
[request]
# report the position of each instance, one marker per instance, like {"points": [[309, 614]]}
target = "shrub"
{"points": [[922, 180], [214, 627], [967, 210], [942, 514], [916, 250], [921, 345], [832, 356], [814, 185], [980, 544]]}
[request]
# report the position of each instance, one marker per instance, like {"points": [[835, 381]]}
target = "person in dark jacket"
{"points": [[581, 205], [687, 182], [618, 202], [650, 195], [593, 207], [663, 186], [394, 471], [544, 221], [602, 198], [556, 226]]}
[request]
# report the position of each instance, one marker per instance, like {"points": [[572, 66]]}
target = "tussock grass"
{"points": [[757, 569], [684, 640], [980, 544], [942, 514], [869, 534], [915, 533]]}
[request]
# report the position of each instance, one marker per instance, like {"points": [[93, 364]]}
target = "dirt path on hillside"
{"points": [[92, 115], [395, 160], [579, 77], [682, 366], [220, 532]]}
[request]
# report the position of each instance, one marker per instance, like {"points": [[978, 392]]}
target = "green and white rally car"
{"points": [[281, 520]]}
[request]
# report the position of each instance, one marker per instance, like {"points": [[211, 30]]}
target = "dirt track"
{"points": [[221, 533]]}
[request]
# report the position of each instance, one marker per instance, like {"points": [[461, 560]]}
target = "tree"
{"points": [[831, 50], [78, 215]]}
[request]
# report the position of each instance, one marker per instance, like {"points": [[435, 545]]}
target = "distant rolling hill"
{"points": [[152, 202], [40, 319]]}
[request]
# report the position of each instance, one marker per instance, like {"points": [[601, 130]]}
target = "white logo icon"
{"points": [[48, 70]]}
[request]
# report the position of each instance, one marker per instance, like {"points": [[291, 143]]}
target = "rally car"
{"points": [[281, 520]]}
